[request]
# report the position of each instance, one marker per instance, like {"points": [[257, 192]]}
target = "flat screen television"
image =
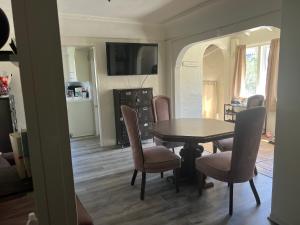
{"points": [[131, 58]]}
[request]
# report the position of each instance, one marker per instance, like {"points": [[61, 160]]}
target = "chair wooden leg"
{"points": [[200, 182], [176, 179], [215, 148], [254, 192], [162, 175], [143, 185], [231, 199], [133, 177]]}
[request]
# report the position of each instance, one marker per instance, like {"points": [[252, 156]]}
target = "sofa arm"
{"points": [[9, 156], [83, 217]]}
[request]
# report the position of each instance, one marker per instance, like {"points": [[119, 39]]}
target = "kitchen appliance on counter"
{"points": [[78, 90]]}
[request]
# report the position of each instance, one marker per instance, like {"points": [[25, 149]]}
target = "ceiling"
{"points": [[141, 11], [145, 11]]}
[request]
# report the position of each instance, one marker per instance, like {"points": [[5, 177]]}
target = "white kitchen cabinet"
{"points": [[81, 117]]}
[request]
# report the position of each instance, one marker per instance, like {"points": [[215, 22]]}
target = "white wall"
{"points": [[286, 183], [108, 83], [82, 64], [260, 36], [88, 26]]}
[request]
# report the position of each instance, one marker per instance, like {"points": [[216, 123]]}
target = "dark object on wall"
{"points": [[140, 100], [4, 28], [6, 125], [131, 58], [13, 46]]}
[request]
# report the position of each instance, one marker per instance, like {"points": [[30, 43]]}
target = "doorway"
{"points": [[213, 83], [81, 91]]}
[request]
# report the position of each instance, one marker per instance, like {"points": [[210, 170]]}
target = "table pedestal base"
{"points": [[189, 153]]}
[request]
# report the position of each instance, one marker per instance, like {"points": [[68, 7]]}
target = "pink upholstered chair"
{"points": [[162, 111], [226, 144], [155, 159], [236, 166]]}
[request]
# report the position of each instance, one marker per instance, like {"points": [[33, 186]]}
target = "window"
{"points": [[256, 70]]}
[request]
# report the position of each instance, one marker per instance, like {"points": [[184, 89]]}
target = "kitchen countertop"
{"points": [[78, 99]]}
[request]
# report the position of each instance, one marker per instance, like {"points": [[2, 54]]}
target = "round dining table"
{"points": [[192, 132]]}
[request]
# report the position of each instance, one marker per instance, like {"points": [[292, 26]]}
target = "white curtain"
{"points": [[209, 99], [239, 70], [272, 76]]}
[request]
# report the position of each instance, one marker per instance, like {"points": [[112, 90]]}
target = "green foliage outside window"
{"points": [[251, 71]]}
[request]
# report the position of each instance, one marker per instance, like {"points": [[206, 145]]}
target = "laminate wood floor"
{"points": [[102, 182]]}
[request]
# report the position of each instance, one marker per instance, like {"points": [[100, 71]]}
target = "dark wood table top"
{"points": [[192, 130]]}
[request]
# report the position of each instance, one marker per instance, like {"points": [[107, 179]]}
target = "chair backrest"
{"points": [[247, 136], [161, 108], [255, 101], [131, 123]]}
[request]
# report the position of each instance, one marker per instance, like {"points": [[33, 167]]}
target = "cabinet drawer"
{"points": [[128, 98], [145, 97], [145, 114], [145, 130]]}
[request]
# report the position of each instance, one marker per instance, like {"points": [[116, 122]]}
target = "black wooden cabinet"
{"points": [[6, 123], [139, 99]]}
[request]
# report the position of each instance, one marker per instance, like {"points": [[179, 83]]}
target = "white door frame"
{"points": [[41, 70], [95, 92]]}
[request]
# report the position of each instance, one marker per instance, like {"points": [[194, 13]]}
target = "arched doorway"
{"points": [[213, 83], [196, 63], [189, 83]]}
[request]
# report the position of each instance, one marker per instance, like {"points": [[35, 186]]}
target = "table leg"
{"points": [[189, 153]]}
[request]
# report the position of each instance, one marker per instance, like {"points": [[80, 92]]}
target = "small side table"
{"points": [[230, 111]]}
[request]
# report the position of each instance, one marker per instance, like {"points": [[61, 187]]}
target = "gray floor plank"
{"points": [[102, 181]]}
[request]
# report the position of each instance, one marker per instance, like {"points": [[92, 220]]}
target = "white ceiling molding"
{"points": [[84, 17], [131, 11], [189, 11], [81, 17]]}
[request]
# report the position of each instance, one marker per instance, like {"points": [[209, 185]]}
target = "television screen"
{"points": [[131, 58]]}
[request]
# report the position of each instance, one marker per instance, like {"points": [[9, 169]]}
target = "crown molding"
{"points": [[189, 11], [83, 17]]}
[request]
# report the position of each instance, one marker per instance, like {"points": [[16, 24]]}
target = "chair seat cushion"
{"points": [[225, 144], [167, 144], [159, 159], [215, 165]]}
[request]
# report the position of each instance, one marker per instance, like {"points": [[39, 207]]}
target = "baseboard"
{"points": [[276, 220]]}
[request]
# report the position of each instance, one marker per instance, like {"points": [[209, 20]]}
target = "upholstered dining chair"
{"points": [[226, 144], [162, 111], [236, 166], [155, 159]]}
